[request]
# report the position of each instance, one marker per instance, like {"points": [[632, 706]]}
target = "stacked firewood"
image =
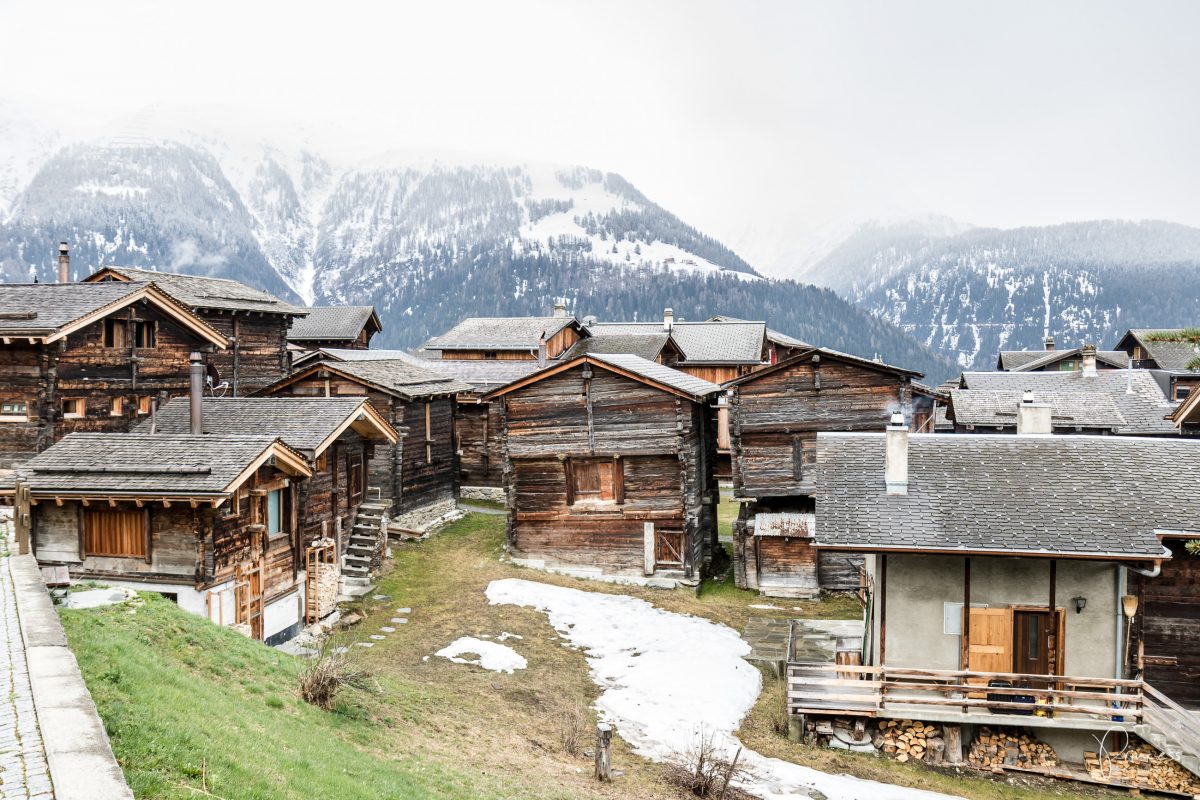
{"points": [[1144, 767], [996, 749], [906, 739]]}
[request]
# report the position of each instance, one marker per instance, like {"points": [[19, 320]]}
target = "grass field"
{"points": [[191, 707]]}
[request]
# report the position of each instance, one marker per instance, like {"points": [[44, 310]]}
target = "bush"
{"points": [[707, 771], [332, 670], [572, 728]]}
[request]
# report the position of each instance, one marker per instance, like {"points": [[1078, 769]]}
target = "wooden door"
{"points": [[1031, 642], [988, 645], [354, 477], [668, 548], [249, 597]]}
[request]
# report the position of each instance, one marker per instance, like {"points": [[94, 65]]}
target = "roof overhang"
{"points": [[555, 369], [862, 547], [279, 455], [824, 354], [156, 297], [367, 423]]}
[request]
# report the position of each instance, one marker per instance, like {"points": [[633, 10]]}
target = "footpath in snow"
{"points": [[666, 677]]}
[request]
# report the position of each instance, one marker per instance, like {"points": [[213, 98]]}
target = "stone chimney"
{"points": [[1049, 344], [64, 263], [1088, 354], [1033, 417], [668, 319], [560, 309], [895, 465], [196, 392]]}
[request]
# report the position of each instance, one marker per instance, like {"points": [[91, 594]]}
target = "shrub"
{"points": [[705, 770], [572, 728], [332, 670]]}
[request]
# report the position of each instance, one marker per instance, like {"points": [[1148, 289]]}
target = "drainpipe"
{"points": [[1119, 669]]}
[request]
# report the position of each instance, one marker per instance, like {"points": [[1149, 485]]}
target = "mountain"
{"points": [[427, 239], [973, 293]]}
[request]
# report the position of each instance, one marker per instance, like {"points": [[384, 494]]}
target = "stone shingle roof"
{"points": [[42, 308], [1169, 355], [652, 371], [1025, 360], [1073, 396], [400, 378], [701, 342], [303, 423], [133, 463], [482, 375], [645, 345], [1040, 495], [325, 323], [195, 291], [498, 333]]}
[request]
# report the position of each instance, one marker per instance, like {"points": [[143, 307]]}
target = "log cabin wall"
{"points": [[477, 429], [665, 446], [327, 507], [239, 535], [112, 381], [774, 420], [257, 355], [1166, 632], [428, 467], [713, 374]]}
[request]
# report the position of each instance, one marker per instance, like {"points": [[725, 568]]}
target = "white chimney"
{"points": [[1088, 354], [1049, 344], [1032, 417], [668, 319], [560, 309], [895, 466]]}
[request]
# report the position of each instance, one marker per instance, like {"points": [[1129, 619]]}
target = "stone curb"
{"points": [[82, 765]]}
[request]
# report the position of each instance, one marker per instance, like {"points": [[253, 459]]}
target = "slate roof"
{"points": [[1073, 396], [303, 423], [1036, 495], [645, 345], [136, 463], [688, 384], [772, 335], [498, 333], [701, 342], [823, 352], [1026, 360], [482, 375], [54, 305], [1172, 356], [196, 291], [325, 323], [395, 377]]}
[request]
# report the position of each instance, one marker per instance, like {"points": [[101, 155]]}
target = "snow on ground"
{"points": [[668, 677], [493, 656]]}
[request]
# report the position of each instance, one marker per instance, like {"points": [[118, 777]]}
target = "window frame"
{"points": [[77, 403], [13, 415], [142, 536], [280, 495], [145, 334], [144, 404], [573, 467], [111, 328], [116, 406]]}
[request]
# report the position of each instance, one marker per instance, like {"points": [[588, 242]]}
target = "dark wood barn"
{"points": [[608, 469], [775, 415], [419, 473], [82, 357], [255, 323], [212, 521]]}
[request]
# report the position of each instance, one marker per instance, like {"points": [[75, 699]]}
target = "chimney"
{"points": [[541, 350], [64, 263], [895, 468], [1033, 418], [1089, 360], [196, 393], [560, 309], [1049, 344], [668, 319]]}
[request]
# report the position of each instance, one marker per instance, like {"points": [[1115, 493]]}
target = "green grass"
{"points": [[727, 512]]}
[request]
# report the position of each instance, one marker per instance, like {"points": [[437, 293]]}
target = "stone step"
{"points": [[359, 539], [352, 559], [376, 506], [355, 572], [363, 550]]}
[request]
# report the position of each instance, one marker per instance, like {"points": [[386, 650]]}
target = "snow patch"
{"points": [[492, 656]]}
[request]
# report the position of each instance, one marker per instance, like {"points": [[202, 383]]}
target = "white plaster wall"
{"points": [[284, 612]]}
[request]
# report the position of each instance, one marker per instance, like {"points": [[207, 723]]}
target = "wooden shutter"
{"points": [[989, 645], [569, 473], [605, 471], [115, 533], [619, 480]]}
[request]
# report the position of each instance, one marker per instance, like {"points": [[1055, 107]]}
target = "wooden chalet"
{"points": [[418, 473], [1000, 589], [775, 415], [342, 327], [83, 357], [507, 338], [209, 520], [1052, 359], [338, 437], [255, 323], [715, 351], [608, 469], [1172, 354]]}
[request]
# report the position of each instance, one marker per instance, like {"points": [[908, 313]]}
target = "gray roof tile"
{"points": [[498, 333], [331, 322], [42, 308], [195, 291], [1169, 355], [645, 345], [701, 342], [688, 384]]}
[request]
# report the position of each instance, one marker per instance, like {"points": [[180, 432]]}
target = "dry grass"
{"points": [[333, 670]]}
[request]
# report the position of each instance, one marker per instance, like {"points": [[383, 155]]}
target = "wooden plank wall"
{"points": [[422, 481], [1168, 625], [260, 357], [477, 430], [324, 499]]}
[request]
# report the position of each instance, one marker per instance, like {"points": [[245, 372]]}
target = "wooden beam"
{"points": [[966, 626]]}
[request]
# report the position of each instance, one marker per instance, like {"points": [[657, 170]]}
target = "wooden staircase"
{"points": [[1171, 728]]}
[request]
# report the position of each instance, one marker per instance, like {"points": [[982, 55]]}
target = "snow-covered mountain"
{"points": [[973, 293], [426, 238]]}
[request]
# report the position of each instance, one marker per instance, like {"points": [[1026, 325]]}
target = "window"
{"points": [[323, 461], [116, 333], [490, 355], [144, 333], [1182, 392], [14, 411], [354, 477], [275, 513], [595, 480], [237, 503], [74, 408], [115, 533], [116, 406], [1068, 366], [144, 404]]}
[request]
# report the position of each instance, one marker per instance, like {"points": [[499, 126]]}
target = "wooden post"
{"points": [[953, 744], [604, 752], [882, 588]]}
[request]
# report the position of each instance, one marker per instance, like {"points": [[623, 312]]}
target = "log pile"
{"points": [[906, 739], [1141, 766], [996, 749]]}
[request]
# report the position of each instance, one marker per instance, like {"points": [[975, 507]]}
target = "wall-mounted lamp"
{"points": [[1080, 604]]}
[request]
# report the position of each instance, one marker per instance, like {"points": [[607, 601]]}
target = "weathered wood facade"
{"points": [[1165, 646], [775, 415], [106, 356], [608, 468]]}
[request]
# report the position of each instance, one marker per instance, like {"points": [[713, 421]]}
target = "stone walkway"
{"points": [[24, 771]]}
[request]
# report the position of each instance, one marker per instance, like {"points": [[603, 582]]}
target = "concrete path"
{"points": [[52, 743]]}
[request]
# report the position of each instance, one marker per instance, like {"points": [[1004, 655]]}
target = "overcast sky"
{"points": [[767, 125]]}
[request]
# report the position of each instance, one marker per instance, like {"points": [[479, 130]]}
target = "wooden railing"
{"points": [[867, 691]]}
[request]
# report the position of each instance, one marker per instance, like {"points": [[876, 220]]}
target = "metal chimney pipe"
{"points": [[196, 392], [64, 263]]}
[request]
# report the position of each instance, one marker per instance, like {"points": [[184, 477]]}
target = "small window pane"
{"points": [[274, 512]]}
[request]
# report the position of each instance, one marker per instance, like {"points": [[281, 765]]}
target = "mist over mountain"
{"points": [[427, 239], [972, 293]]}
